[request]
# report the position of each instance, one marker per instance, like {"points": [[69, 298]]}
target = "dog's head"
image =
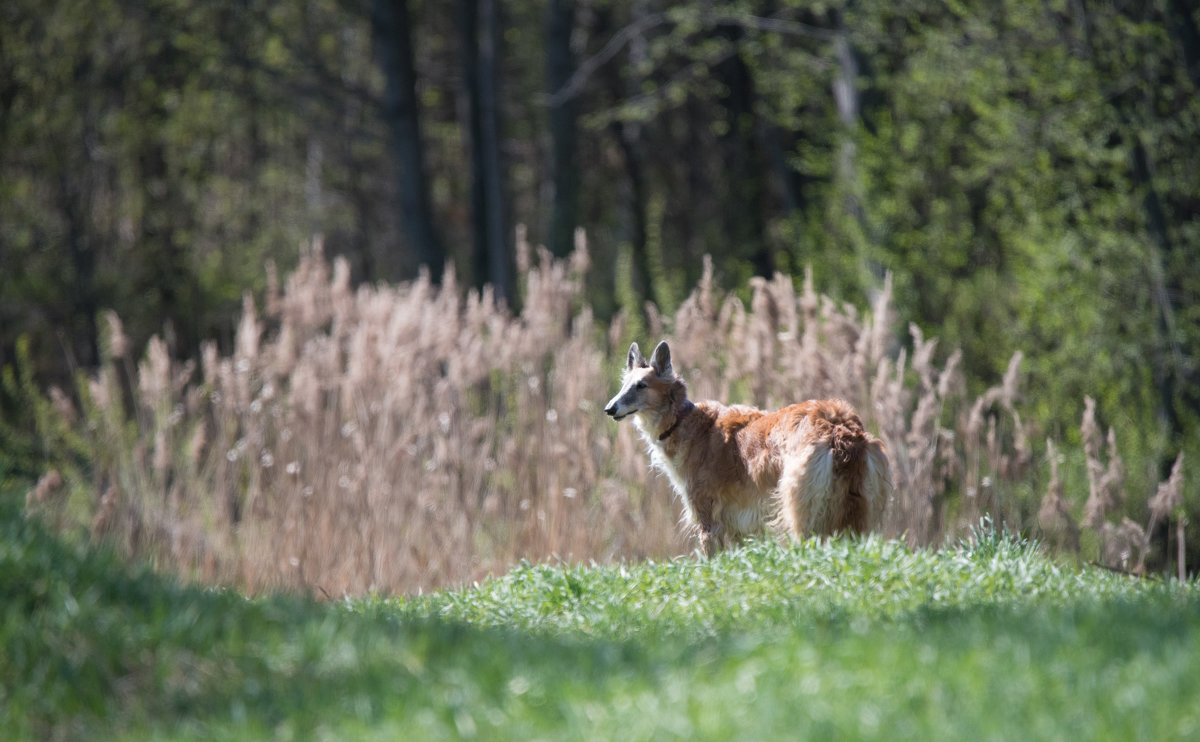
{"points": [[646, 385]]}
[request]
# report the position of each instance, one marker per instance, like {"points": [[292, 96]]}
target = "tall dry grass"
{"points": [[397, 438]]}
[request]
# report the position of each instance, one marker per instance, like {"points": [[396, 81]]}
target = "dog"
{"points": [[809, 468]]}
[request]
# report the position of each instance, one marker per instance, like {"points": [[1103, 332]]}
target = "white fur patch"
{"points": [[744, 521], [804, 490], [659, 461]]}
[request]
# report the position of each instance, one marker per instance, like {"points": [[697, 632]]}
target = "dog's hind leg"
{"points": [[805, 492], [860, 491], [876, 484], [852, 513]]}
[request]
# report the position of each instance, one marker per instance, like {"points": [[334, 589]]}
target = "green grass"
{"points": [[838, 640]]}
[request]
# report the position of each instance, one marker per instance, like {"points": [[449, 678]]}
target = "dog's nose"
{"points": [[611, 410]]}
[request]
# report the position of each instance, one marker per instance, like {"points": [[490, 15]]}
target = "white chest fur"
{"points": [[659, 460]]}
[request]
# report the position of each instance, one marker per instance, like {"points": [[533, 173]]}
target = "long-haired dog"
{"points": [[809, 467]]}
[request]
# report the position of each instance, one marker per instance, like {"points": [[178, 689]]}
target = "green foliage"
{"points": [[19, 454], [155, 158], [859, 639], [58, 442]]}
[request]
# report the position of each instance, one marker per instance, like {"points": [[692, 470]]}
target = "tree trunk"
{"points": [[499, 274], [635, 191], [468, 32], [564, 177], [848, 101], [636, 200], [392, 32], [169, 275], [1182, 25], [480, 40], [83, 345], [745, 166]]}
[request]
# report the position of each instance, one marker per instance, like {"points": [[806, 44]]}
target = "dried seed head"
{"points": [[248, 330], [162, 453], [49, 483], [105, 512], [154, 374], [196, 445], [1054, 516], [62, 405], [118, 342], [1169, 497]]}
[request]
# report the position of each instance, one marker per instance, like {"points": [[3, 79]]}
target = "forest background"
{"points": [[1025, 172]]}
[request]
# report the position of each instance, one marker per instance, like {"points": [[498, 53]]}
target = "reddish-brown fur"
{"points": [[809, 467]]}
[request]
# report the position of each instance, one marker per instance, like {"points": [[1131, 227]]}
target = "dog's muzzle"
{"points": [[611, 411]]}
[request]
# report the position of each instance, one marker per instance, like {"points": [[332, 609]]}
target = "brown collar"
{"points": [[684, 410]]}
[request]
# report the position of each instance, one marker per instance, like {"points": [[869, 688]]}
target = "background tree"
{"points": [[392, 27], [563, 124]]}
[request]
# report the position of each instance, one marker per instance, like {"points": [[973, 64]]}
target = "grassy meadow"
{"points": [[397, 512], [871, 639]]}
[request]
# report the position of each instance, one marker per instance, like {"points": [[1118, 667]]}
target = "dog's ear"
{"points": [[635, 357], [660, 360]]}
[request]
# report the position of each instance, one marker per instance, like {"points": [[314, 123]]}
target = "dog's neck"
{"points": [[681, 412]]}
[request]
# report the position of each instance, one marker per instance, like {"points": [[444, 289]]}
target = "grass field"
{"points": [[839, 640]]}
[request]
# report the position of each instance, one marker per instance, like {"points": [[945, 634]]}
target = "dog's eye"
{"points": [[641, 385]]}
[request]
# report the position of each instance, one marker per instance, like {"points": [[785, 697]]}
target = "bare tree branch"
{"points": [[588, 66], [709, 20]]}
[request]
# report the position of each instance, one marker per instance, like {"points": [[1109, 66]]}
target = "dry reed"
{"points": [[398, 438]]}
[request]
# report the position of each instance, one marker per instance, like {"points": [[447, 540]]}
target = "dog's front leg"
{"points": [[709, 530], [710, 539]]}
